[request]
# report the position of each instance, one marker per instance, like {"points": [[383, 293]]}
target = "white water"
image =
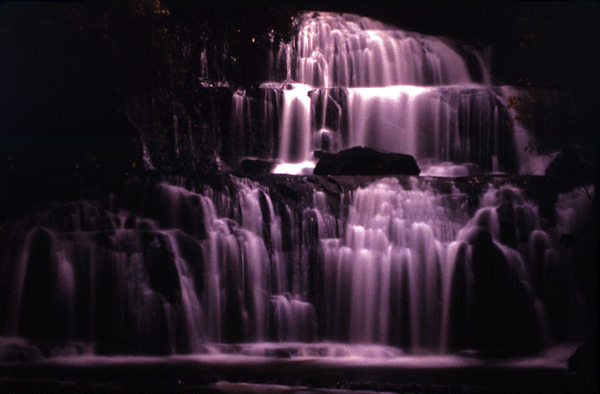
{"points": [[180, 269], [197, 267], [295, 144], [353, 81], [349, 50]]}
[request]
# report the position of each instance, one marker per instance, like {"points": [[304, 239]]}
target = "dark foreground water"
{"points": [[283, 368]]}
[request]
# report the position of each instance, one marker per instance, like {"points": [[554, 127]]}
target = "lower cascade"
{"points": [[169, 266]]}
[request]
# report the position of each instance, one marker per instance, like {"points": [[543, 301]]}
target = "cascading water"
{"points": [[348, 50], [351, 81], [184, 269], [394, 266]]}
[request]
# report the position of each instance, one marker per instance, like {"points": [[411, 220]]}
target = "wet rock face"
{"points": [[40, 314], [491, 293], [503, 315], [365, 161]]}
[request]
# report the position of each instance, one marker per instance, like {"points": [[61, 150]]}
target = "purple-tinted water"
{"points": [[400, 274], [405, 266], [347, 80]]}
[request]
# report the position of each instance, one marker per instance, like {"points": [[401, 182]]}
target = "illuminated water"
{"points": [[400, 273], [347, 80], [405, 266]]}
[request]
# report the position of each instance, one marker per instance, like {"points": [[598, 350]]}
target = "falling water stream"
{"points": [[396, 266], [347, 81], [406, 266]]}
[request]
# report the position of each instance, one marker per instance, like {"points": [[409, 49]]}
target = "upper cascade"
{"points": [[347, 50]]}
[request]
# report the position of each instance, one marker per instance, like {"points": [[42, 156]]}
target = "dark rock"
{"points": [[43, 314], [130, 222], [256, 166], [572, 164], [508, 232], [139, 321], [365, 161], [190, 250], [502, 314], [459, 301], [506, 217], [13, 349], [585, 358], [159, 260], [584, 361], [282, 352], [490, 309]]}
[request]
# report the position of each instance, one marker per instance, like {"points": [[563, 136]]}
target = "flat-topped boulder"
{"points": [[365, 161]]}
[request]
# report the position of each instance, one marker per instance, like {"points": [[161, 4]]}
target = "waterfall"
{"points": [[295, 124], [353, 81], [307, 265], [404, 251], [353, 51], [187, 267]]}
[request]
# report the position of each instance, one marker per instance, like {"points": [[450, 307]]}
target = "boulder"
{"points": [[365, 161], [14, 349]]}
